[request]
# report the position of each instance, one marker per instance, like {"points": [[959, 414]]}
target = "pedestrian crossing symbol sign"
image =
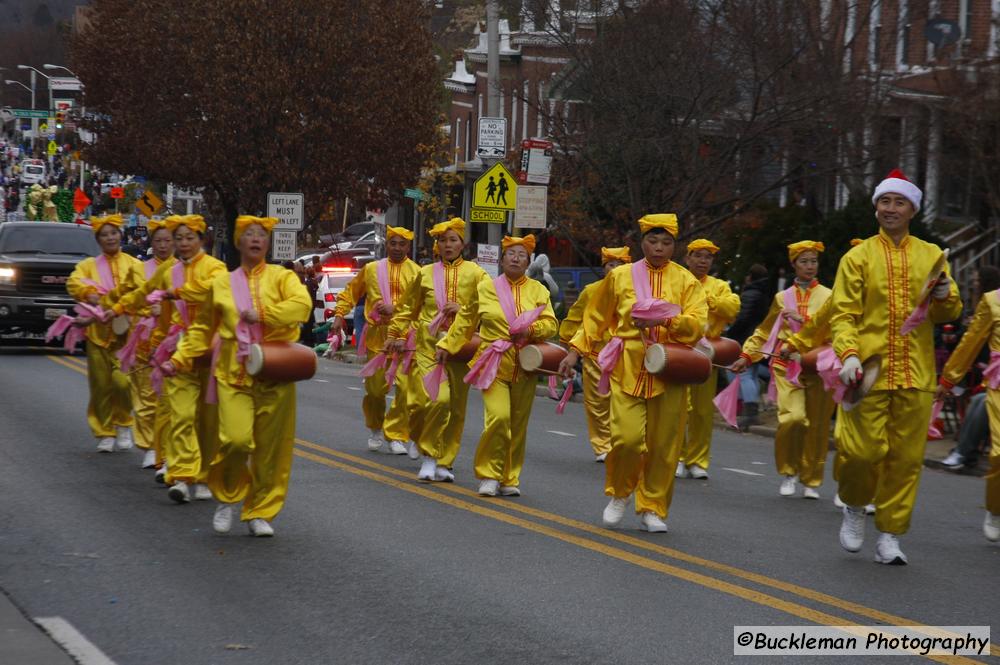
{"points": [[496, 189]]}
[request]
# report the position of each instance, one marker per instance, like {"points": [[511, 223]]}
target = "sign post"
{"points": [[283, 245], [493, 195], [532, 206], [288, 208], [536, 162], [492, 138]]}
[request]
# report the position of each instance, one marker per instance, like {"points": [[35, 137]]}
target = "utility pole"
{"points": [[493, 88]]}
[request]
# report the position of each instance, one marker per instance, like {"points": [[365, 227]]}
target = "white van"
{"points": [[32, 172]]}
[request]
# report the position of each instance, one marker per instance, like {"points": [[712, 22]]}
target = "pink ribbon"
{"points": [[828, 367], [916, 317], [790, 305], [70, 326], [246, 333], [792, 372], [728, 402], [646, 307], [607, 360], [162, 354], [992, 372], [212, 389], [567, 394], [373, 365], [335, 340], [104, 272], [483, 372], [433, 380], [159, 295], [932, 430], [385, 291], [139, 334], [553, 384]]}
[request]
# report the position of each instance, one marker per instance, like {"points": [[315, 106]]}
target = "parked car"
{"points": [[353, 232], [333, 281], [33, 172]]}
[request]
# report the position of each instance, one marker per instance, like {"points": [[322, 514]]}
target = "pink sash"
{"points": [[69, 326], [140, 333], [385, 291], [440, 298], [992, 372], [246, 333], [728, 402], [484, 371], [794, 369], [932, 429], [150, 267], [828, 367], [104, 274]]}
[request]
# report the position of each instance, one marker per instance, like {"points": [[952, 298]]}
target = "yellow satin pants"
{"points": [[993, 477], [395, 424], [256, 442], [193, 435], [696, 449], [144, 400], [598, 408], [161, 428], [803, 437], [506, 409], [646, 437], [882, 443], [110, 403], [437, 426]]}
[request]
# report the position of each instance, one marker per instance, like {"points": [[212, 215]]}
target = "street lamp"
{"points": [[34, 121], [51, 67]]}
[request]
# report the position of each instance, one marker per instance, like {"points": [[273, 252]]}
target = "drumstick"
{"points": [[546, 371]]}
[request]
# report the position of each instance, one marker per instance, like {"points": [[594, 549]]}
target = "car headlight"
{"points": [[8, 275]]}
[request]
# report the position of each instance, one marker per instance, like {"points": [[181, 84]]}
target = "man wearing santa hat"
{"points": [[881, 306]]}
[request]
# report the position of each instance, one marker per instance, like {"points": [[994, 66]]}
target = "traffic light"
{"points": [[60, 117]]}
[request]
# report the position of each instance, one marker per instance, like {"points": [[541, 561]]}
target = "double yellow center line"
{"points": [[596, 539]]}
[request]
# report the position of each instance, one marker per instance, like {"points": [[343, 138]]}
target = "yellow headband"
{"points": [[194, 222], [154, 225], [456, 224], [615, 254], [702, 243], [666, 221], [797, 248], [528, 242], [391, 231], [243, 222], [856, 241], [99, 222]]}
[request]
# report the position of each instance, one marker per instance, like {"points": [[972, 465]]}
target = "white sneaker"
{"points": [[375, 440], [954, 460], [697, 472], [123, 438], [682, 471], [443, 474], [427, 469], [489, 487], [870, 509], [201, 492], [106, 444], [787, 486], [222, 520], [412, 450], [260, 528], [149, 459], [652, 523], [887, 551], [161, 475], [510, 490], [396, 448], [852, 529], [614, 512], [991, 527], [179, 492], [837, 502], [600, 458], [810, 493]]}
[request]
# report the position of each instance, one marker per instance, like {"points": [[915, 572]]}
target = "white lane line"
{"points": [[759, 463], [745, 473], [353, 388], [70, 639], [558, 433], [321, 381]]}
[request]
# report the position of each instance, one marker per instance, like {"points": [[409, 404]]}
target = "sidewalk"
{"points": [[23, 642]]}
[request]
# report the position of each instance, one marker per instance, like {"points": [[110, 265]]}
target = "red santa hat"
{"points": [[897, 183]]}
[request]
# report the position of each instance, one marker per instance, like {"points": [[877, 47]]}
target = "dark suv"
{"points": [[36, 259]]}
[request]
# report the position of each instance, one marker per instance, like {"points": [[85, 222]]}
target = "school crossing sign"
{"points": [[493, 195]]}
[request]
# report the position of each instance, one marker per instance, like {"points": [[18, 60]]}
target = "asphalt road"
{"points": [[370, 567]]}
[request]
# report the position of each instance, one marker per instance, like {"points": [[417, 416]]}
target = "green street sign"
{"points": [[29, 113], [415, 194]]}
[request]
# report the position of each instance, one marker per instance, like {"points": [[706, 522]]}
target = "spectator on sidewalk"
{"points": [[755, 298]]}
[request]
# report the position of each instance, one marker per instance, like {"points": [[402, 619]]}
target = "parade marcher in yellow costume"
{"points": [[96, 282], [596, 405], [875, 295], [511, 311], [804, 407], [383, 284], [723, 306], [428, 309], [255, 303], [648, 415], [193, 434], [149, 326], [983, 329]]}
